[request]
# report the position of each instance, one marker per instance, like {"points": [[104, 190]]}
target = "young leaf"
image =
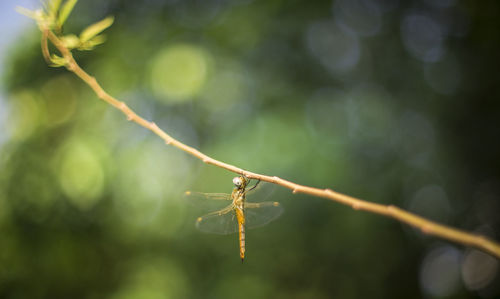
{"points": [[54, 7], [90, 44], [36, 14], [95, 29], [70, 41], [65, 11], [57, 61]]}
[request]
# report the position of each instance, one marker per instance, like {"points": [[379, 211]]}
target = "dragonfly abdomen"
{"points": [[242, 241], [241, 232]]}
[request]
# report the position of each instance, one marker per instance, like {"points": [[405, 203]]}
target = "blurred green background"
{"points": [[395, 102]]}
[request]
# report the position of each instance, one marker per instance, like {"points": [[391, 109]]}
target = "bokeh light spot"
{"points": [[440, 272], [60, 100], [423, 37], [337, 50], [431, 202], [24, 115], [478, 269], [148, 197], [81, 174], [227, 85], [179, 72]]}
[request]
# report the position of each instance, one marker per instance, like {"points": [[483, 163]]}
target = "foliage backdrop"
{"points": [[391, 101]]}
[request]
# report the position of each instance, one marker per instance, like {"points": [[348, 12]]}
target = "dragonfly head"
{"points": [[240, 182]]}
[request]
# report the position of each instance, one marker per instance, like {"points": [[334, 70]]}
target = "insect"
{"points": [[239, 214]]}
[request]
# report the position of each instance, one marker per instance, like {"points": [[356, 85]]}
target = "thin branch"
{"points": [[424, 225], [45, 47]]}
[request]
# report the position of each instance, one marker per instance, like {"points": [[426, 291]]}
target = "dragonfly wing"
{"points": [[207, 201], [259, 214], [263, 191], [210, 196], [219, 222]]}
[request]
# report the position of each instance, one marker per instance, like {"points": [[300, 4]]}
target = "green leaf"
{"points": [[54, 7], [34, 14], [95, 29], [57, 61], [65, 11], [90, 44], [70, 41]]}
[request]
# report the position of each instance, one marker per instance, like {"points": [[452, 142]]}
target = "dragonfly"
{"points": [[239, 214]]}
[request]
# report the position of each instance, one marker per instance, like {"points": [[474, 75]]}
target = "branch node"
{"points": [[425, 229], [71, 66], [356, 206], [295, 191], [101, 94]]}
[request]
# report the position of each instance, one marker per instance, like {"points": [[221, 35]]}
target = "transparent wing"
{"points": [[262, 192], [203, 202], [211, 196], [219, 222], [259, 214]]}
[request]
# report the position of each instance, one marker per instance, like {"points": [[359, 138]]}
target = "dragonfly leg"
{"points": [[254, 186]]}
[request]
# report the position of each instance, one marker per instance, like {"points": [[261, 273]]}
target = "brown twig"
{"points": [[45, 47], [424, 225]]}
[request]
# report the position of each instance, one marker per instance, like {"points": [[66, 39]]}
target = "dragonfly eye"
{"points": [[237, 181]]}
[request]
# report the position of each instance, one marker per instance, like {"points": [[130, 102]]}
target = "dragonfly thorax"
{"points": [[238, 196], [239, 201]]}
